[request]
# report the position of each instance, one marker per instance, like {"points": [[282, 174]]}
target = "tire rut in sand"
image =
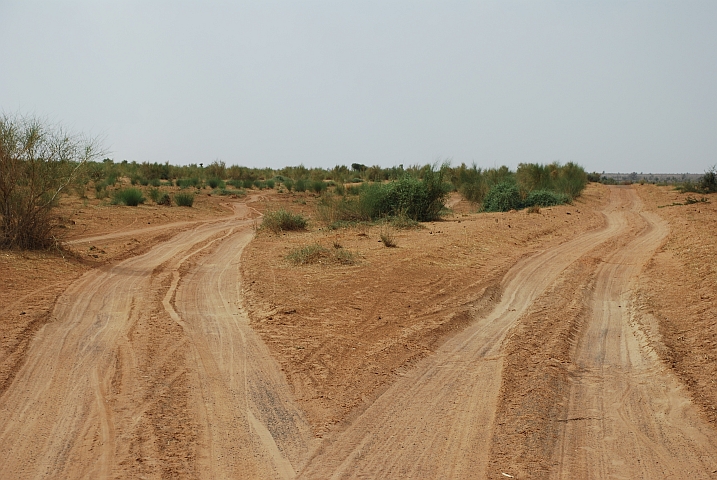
{"points": [[436, 421], [110, 386], [636, 420]]}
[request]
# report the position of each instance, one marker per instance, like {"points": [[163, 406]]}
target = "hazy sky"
{"points": [[612, 85]]}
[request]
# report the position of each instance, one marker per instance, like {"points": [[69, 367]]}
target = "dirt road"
{"points": [[436, 421], [131, 380], [149, 369]]}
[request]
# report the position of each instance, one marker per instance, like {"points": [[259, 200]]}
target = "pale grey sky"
{"points": [[612, 85]]}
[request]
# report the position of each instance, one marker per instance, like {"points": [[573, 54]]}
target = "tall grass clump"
{"points": [[128, 196], [215, 183], [184, 199], [301, 185], [281, 220], [315, 253]]}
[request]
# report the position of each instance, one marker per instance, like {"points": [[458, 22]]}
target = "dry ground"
{"points": [[575, 341], [343, 332]]}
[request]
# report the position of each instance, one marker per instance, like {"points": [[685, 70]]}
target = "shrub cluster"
{"points": [[281, 220], [530, 185], [315, 253], [128, 196], [408, 197], [184, 199]]}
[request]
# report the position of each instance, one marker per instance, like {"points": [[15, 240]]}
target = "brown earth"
{"points": [[556, 344]]}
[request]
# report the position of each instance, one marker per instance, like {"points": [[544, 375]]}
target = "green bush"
{"points": [[289, 184], [708, 181], [155, 194], [300, 185], [229, 191], [318, 186], [187, 182], [128, 196], [215, 183], [184, 199], [155, 182], [545, 198], [281, 220], [502, 197], [270, 184], [247, 184]]}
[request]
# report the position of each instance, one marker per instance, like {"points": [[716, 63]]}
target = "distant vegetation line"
{"points": [[40, 162]]}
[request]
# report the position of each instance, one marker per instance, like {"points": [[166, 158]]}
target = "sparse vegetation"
{"points": [[315, 253], [184, 199], [128, 196], [38, 162], [387, 237], [281, 220]]}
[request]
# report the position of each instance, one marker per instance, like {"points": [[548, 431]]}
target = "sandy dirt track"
{"points": [[149, 369], [628, 416], [127, 382]]}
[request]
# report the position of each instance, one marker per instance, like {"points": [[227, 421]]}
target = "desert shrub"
{"points": [[281, 220], [155, 182], [101, 190], [134, 180], [229, 191], [259, 184], [270, 184], [300, 185], [289, 184], [184, 199], [318, 186], [339, 189], [315, 253], [38, 162], [188, 182], [687, 187], [164, 200], [545, 198], [419, 200], [386, 235], [159, 197], [247, 184], [155, 194], [128, 196], [213, 182], [708, 181], [502, 197], [234, 183]]}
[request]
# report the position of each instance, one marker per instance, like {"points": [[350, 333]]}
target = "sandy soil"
{"points": [[571, 343]]}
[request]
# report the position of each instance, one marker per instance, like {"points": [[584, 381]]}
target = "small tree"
{"points": [[37, 164]]}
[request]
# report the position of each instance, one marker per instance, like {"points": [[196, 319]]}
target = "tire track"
{"points": [[436, 420], [638, 420]]}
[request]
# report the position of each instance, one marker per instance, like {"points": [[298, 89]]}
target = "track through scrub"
{"points": [[149, 369], [436, 421], [140, 375], [628, 416]]}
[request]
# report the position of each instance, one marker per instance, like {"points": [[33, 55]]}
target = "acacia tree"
{"points": [[38, 161]]}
